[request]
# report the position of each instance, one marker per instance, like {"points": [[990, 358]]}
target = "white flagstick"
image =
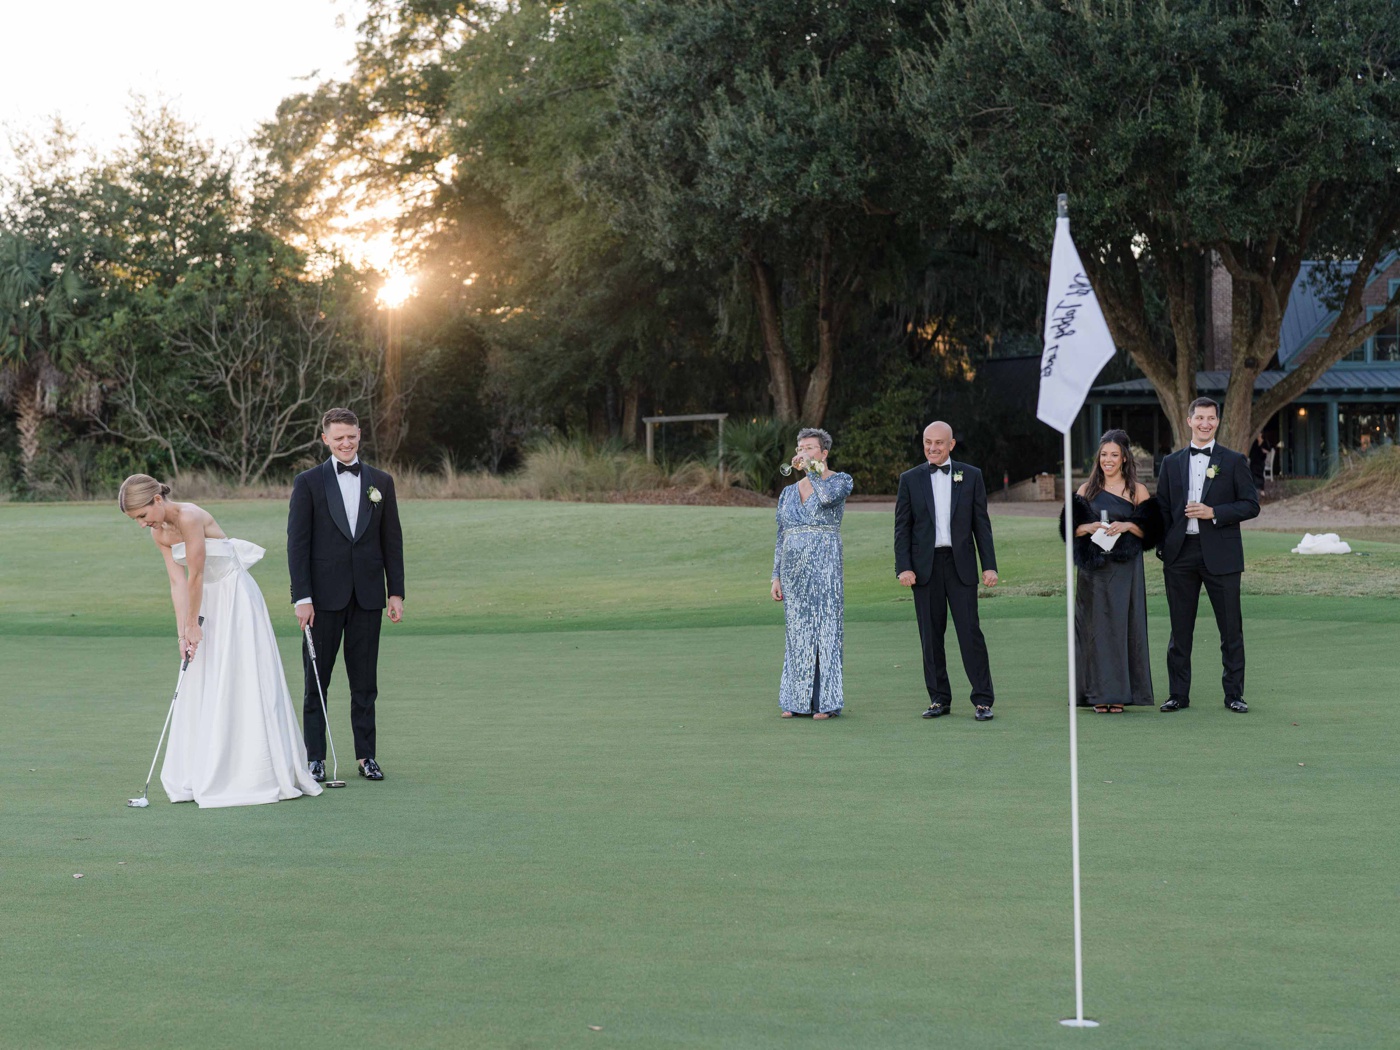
{"points": [[1078, 1020], [1077, 346]]}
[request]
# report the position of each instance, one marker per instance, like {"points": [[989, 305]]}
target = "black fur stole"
{"points": [[1147, 516]]}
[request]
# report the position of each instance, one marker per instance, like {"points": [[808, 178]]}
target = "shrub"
{"points": [[694, 476], [880, 440], [577, 469], [754, 451]]}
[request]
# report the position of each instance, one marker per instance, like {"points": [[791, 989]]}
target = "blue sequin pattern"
{"points": [[807, 561]]}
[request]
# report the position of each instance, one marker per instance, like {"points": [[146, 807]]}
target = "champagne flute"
{"points": [[786, 469]]}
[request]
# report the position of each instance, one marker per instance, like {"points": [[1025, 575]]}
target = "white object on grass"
{"points": [[1323, 543]]}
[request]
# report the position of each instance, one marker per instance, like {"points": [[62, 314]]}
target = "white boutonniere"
{"points": [[1212, 470], [374, 494], [957, 475]]}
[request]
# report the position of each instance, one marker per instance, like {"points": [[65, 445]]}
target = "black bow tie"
{"points": [[1201, 451], [351, 468], [943, 469]]}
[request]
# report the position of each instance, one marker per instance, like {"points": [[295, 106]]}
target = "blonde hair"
{"points": [[140, 490]]}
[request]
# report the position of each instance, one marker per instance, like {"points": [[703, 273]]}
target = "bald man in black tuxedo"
{"points": [[941, 526]]}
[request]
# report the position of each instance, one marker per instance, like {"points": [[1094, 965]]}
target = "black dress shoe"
{"points": [[936, 710], [1237, 704], [984, 714], [1176, 703], [369, 769], [318, 771]]}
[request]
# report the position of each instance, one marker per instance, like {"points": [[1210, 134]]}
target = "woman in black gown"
{"points": [[1110, 611]]}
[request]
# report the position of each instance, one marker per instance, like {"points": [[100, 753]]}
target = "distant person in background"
{"points": [[1259, 459], [1112, 667], [807, 580], [941, 526], [1204, 491]]}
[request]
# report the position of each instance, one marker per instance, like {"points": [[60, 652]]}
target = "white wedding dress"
{"points": [[234, 740]]}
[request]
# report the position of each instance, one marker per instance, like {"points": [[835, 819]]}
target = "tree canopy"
{"points": [[759, 138], [1187, 134], [834, 214], [150, 322]]}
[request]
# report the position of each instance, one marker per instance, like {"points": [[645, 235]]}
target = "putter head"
{"points": [[138, 803], [334, 784]]}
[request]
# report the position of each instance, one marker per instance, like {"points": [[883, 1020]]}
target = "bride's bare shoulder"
{"points": [[201, 518]]}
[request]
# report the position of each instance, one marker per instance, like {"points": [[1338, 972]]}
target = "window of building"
{"points": [[1384, 346]]}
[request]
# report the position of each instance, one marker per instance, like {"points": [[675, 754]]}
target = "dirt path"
{"points": [[1300, 515]]}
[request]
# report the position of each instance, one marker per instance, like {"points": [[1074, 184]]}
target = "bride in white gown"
{"points": [[234, 739]]}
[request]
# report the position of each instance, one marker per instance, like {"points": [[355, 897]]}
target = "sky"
{"points": [[224, 67]]}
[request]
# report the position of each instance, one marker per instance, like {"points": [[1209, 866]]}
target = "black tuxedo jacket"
{"points": [[1232, 495], [325, 560], [915, 528]]}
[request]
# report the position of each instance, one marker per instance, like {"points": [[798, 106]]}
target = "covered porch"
{"points": [[1348, 409]]}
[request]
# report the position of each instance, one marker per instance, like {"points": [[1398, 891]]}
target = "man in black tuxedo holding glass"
{"points": [[1205, 490], [941, 525], [345, 555]]}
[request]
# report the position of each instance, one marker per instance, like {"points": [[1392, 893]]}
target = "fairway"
{"points": [[595, 831]]}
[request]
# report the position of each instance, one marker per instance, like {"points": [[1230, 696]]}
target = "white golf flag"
{"points": [[1077, 343]]}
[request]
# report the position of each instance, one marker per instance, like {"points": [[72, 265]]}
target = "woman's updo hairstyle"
{"points": [[140, 490]]}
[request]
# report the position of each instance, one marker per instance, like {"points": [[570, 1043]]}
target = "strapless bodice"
{"points": [[1119, 509], [222, 557]]}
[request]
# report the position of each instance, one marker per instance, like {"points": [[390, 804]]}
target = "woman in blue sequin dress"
{"points": [[807, 580]]}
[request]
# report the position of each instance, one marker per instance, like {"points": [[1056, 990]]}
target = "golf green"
{"points": [[595, 831]]}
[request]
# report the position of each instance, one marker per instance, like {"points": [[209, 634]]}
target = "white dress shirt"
{"points": [[350, 493], [1197, 474], [942, 505]]}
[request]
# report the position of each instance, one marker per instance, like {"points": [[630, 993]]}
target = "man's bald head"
{"points": [[938, 442], [939, 427]]}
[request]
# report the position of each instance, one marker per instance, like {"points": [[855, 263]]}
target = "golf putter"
{"points": [[334, 781], [142, 802]]}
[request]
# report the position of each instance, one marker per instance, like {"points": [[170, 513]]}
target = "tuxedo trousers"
{"points": [[1184, 577], [942, 593], [359, 629]]}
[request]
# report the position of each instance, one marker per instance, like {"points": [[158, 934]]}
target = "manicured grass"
{"points": [[593, 815]]}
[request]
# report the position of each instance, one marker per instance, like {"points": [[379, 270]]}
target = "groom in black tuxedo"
{"points": [[345, 554], [1205, 491], [941, 511]]}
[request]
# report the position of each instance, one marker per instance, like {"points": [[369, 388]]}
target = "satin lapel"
{"points": [[1215, 465], [362, 520], [334, 501], [928, 494], [954, 486], [1184, 476]]}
